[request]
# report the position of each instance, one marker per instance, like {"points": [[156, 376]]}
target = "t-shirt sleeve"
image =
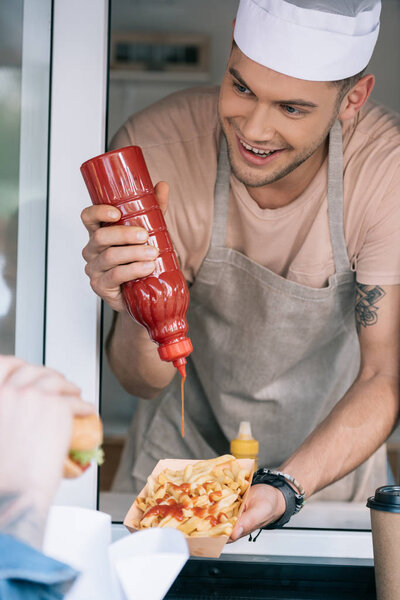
{"points": [[120, 139], [378, 261]]}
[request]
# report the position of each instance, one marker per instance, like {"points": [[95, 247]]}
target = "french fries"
{"points": [[202, 500]]}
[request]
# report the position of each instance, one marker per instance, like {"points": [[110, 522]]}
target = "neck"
{"points": [[286, 190]]}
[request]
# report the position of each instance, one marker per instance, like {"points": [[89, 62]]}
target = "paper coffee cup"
{"points": [[385, 524]]}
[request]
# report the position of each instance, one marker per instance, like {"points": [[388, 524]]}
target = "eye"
{"points": [[290, 110], [240, 88]]}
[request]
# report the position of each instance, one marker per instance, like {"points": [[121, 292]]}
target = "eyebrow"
{"points": [[295, 101]]}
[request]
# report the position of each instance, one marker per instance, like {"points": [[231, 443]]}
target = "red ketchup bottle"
{"points": [[160, 300]]}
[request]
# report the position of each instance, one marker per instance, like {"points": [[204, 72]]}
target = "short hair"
{"points": [[344, 85]]}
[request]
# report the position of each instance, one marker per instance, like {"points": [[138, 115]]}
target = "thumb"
{"points": [[162, 194], [251, 519], [264, 505]]}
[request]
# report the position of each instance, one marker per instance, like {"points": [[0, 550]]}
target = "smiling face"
{"points": [[276, 126]]}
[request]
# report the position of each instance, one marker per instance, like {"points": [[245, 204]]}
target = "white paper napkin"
{"points": [[147, 563], [81, 538], [140, 566]]}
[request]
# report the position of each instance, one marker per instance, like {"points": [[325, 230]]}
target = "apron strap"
{"points": [[221, 197], [335, 199]]}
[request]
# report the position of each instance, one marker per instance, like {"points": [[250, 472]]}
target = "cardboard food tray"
{"points": [[210, 547]]}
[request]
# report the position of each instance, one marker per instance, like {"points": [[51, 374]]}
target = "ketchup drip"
{"points": [[183, 403]]}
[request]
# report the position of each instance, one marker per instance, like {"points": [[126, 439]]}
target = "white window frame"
{"points": [[33, 160], [77, 132], [72, 340]]}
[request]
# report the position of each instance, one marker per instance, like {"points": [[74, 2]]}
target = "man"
{"points": [[37, 406], [284, 266]]}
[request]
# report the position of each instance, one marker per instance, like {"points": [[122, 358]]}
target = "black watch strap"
{"points": [[289, 496], [263, 476]]}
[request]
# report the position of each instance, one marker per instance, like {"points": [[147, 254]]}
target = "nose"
{"points": [[257, 126]]}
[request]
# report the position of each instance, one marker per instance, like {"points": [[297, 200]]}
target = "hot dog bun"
{"points": [[87, 436]]}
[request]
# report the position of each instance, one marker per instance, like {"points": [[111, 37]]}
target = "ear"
{"points": [[356, 97]]}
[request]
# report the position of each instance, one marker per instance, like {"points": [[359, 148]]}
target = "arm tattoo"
{"points": [[367, 298]]}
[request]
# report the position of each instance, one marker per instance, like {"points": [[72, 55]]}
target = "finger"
{"points": [[105, 237], [93, 216], [253, 518], [162, 194], [54, 383], [80, 407], [121, 274], [9, 364], [32, 375], [121, 255], [262, 507]]}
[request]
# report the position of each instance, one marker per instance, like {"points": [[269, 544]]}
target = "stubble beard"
{"points": [[256, 180]]}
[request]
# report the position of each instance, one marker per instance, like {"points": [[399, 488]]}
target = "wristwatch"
{"points": [[284, 482]]}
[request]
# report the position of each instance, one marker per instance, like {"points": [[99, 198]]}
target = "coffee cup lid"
{"points": [[387, 498]]}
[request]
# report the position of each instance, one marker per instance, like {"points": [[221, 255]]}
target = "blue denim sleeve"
{"points": [[27, 574]]}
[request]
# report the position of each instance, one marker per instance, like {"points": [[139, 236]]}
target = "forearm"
{"points": [[134, 359], [23, 517], [355, 428]]}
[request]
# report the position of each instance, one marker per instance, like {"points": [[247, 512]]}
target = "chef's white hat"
{"points": [[318, 40]]}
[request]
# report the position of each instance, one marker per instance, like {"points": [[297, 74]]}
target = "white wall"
{"points": [[212, 17], [385, 61]]}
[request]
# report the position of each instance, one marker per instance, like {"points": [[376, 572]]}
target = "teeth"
{"points": [[246, 146], [256, 150]]}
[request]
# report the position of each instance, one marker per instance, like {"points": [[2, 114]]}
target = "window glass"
{"points": [[10, 121], [157, 48], [24, 116]]}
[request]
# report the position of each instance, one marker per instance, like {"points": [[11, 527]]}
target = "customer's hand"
{"points": [[37, 406]]}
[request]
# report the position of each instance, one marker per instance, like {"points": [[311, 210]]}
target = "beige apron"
{"points": [[266, 349]]}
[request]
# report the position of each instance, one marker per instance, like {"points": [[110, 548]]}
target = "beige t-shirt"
{"points": [[180, 136]]}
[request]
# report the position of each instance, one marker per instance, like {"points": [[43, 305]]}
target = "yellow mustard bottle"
{"points": [[244, 445]]}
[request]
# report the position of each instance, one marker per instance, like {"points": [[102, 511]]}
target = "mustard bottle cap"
{"points": [[245, 431]]}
